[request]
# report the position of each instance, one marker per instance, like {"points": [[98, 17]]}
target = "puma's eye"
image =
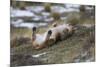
{"points": [[37, 46], [67, 30]]}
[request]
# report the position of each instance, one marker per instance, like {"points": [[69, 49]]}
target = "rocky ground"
{"points": [[80, 47]]}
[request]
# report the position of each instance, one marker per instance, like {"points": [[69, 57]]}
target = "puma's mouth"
{"points": [[38, 47]]}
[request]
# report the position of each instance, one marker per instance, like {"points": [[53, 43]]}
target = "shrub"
{"points": [[82, 8], [55, 15], [82, 12], [73, 19], [47, 7], [21, 5]]}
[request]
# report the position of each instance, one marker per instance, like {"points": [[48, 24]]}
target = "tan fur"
{"points": [[41, 41], [59, 32]]}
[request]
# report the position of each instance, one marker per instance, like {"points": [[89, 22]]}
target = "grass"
{"points": [[76, 18], [66, 51], [70, 50]]}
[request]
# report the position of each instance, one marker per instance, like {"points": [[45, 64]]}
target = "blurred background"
{"points": [[28, 14]]}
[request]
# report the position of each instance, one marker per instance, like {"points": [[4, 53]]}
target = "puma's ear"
{"points": [[54, 25], [34, 29], [48, 35], [49, 32]]}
